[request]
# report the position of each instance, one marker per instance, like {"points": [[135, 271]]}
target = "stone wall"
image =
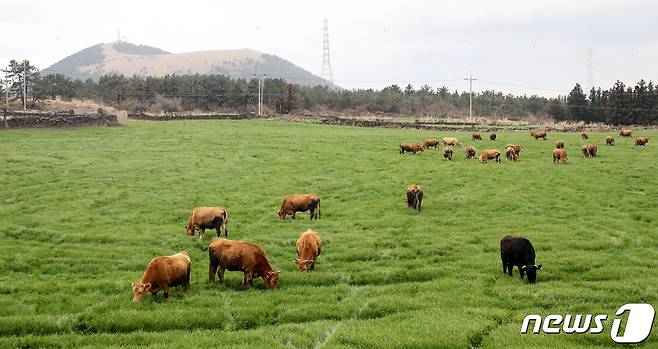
{"points": [[55, 119]]}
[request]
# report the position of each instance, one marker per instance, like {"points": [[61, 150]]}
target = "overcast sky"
{"points": [[532, 47]]}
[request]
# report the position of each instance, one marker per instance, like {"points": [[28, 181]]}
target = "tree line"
{"points": [[208, 93]]}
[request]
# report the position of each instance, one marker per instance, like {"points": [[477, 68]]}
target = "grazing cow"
{"points": [[447, 153], [517, 148], [584, 135], [411, 147], [625, 133], [492, 136], [414, 197], [589, 150], [203, 218], [451, 141], [518, 251], [489, 154], [308, 250], [510, 154], [559, 144], [641, 140], [476, 136], [161, 274], [234, 255], [560, 155], [609, 140], [294, 203], [432, 142], [469, 151], [538, 134]]}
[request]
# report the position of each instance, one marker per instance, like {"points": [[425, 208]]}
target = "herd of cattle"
{"points": [[234, 255]]}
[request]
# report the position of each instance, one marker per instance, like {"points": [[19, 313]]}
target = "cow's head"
{"points": [[280, 215], [271, 279], [303, 264], [189, 229], [531, 270], [140, 291]]}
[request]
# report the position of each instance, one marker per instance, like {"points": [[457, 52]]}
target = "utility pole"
{"points": [[25, 85], [326, 61], [470, 94]]}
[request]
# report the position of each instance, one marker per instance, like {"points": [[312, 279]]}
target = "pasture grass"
{"points": [[82, 211]]}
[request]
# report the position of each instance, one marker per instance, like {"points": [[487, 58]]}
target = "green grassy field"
{"points": [[82, 211]]}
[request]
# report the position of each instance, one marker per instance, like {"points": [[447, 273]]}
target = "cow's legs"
{"points": [[509, 269], [293, 215], [221, 275], [212, 270], [521, 272], [186, 282], [165, 290], [202, 233]]}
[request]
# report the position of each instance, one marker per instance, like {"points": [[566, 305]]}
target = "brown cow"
{"points": [[559, 144], [510, 154], [447, 153], [584, 135], [625, 133], [517, 148], [609, 140], [489, 154], [203, 218], [589, 150], [294, 203], [451, 141], [162, 273], [469, 151], [492, 136], [309, 246], [411, 147], [641, 140], [538, 134], [560, 155], [476, 136], [432, 142], [414, 197], [234, 255]]}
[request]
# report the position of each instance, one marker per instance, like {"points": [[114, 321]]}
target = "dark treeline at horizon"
{"points": [[207, 93]]}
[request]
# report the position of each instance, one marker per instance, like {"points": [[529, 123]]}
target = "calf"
{"points": [[234, 255], [476, 136], [489, 154], [469, 151], [414, 197], [518, 251], [641, 140], [294, 203], [510, 154], [308, 246], [492, 136], [432, 142], [609, 140], [203, 218], [447, 153], [559, 144], [560, 155], [410, 147], [161, 274]]}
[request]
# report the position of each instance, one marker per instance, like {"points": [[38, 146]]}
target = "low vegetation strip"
{"points": [[56, 119]]}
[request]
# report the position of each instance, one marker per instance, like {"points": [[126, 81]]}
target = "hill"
{"points": [[130, 59]]}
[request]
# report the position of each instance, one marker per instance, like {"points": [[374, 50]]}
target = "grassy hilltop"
{"points": [[84, 210]]}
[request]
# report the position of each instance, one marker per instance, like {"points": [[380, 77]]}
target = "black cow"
{"points": [[518, 251]]}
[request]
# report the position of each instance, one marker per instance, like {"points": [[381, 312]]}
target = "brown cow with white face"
{"points": [[294, 203], [447, 153], [309, 247], [411, 147], [559, 144], [234, 255], [589, 150], [203, 218], [161, 274], [641, 140], [489, 154], [560, 155], [610, 140], [414, 197], [625, 133]]}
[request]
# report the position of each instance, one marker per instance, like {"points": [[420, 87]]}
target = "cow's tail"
{"points": [[225, 224], [319, 215]]}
